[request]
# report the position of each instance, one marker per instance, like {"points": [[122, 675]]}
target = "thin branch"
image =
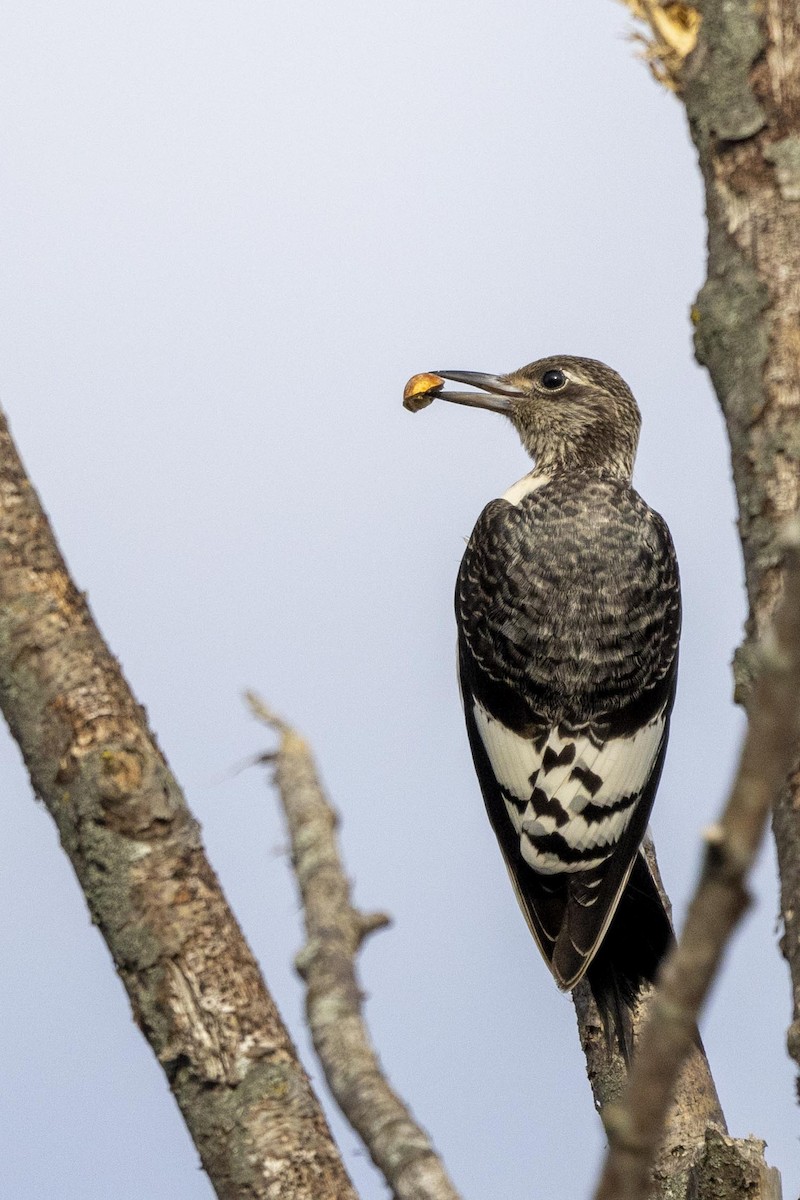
{"points": [[695, 1109], [194, 986], [635, 1125], [400, 1149]]}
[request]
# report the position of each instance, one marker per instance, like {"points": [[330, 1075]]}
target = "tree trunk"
{"points": [[741, 87]]}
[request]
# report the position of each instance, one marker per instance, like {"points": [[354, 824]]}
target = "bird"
{"points": [[568, 611]]}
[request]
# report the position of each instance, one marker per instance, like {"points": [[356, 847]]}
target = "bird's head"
{"points": [[570, 413]]}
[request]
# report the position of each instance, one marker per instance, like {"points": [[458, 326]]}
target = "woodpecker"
{"points": [[568, 612]]}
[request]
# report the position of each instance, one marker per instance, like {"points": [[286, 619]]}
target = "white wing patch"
{"points": [[514, 759], [583, 793]]}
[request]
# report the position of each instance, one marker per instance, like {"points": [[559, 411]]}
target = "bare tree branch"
{"points": [[195, 989], [335, 932], [635, 1124], [694, 1112]]}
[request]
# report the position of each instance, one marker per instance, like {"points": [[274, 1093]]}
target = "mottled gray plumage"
{"points": [[568, 613], [571, 597]]}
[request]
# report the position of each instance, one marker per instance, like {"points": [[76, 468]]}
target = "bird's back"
{"points": [[568, 610], [571, 597]]}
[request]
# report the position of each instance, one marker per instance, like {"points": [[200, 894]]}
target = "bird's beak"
{"points": [[496, 392]]}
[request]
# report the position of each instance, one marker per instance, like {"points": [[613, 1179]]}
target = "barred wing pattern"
{"points": [[568, 610]]}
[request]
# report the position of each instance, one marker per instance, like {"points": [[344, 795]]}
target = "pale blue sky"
{"points": [[230, 233]]}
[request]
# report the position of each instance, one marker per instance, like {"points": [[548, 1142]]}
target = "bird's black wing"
{"points": [[568, 610]]}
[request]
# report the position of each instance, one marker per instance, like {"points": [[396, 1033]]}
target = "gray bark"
{"points": [[335, 932], [636, 1122], [741, 87], [194, 987]]}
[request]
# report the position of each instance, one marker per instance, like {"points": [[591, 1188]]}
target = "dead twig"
{"points": [[335, 932]]}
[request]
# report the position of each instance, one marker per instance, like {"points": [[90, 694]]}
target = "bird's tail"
{"points": [[636, 942]]}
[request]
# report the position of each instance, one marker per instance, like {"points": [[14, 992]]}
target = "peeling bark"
{"points": [[194, 987]]}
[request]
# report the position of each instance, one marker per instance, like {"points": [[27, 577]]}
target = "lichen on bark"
{"points": [[741, 87]]}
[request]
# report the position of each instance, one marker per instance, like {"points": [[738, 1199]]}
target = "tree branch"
{"points": [[635, 1124], [335, 931], [694, 1112], [195, 989]]}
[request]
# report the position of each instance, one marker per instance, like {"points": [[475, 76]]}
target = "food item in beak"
{"points": [[420, 391]]}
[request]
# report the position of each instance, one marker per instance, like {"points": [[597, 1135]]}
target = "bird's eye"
{"points": [[553, 379]]}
